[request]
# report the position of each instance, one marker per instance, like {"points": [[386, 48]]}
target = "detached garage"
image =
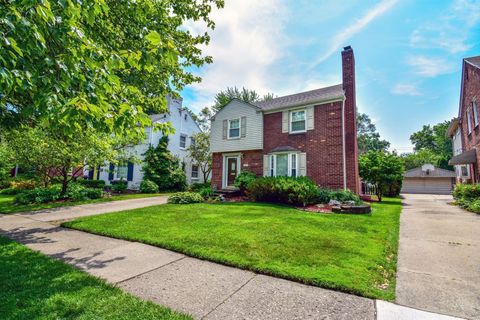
{"points": [[429, 180]]}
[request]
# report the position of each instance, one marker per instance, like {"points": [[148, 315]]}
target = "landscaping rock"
{"points": [[361, 209], [334, 203]]}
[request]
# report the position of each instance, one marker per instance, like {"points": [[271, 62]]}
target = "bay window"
{"points": [[283, 165]]}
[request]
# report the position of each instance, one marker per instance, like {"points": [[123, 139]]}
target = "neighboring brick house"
{"points": [[468, 120], [310, 134]]}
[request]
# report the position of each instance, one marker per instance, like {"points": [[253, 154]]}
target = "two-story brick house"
{"points": [[468, 120], [310, 134]]}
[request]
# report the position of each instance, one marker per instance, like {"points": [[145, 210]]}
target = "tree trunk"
{"points": [[379, 194], [64, 182]]}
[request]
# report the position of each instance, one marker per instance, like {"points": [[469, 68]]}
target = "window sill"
{"points": [[235, 138], [297, 132]]}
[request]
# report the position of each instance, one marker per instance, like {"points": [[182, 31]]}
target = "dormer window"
{"points": [[298, 121], [233, 128]]}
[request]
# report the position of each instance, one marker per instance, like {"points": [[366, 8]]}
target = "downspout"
{"points": [[343, 147]]}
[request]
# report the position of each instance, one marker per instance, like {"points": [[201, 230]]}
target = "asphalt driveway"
{"points": [[439, 257]]}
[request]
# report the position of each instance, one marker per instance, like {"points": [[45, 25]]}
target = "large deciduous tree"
{"points": [[419, 158], [368, 138], [382, 169], [97, 64], [434, 139], [200, 153]]}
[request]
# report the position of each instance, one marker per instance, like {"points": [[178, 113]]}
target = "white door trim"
{"points": [[225, 169]]}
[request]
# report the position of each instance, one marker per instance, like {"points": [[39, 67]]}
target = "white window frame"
{"points": [[124, 166], [290, 120], [272, 167], [469, 122], [192, 141], [475, 113], [196, 175], [185, 144], [229, 127]]}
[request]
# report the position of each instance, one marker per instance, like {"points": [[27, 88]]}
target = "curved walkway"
{"points": [[203, 289], [439, 257]]}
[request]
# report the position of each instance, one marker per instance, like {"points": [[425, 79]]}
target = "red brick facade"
{"points": [[322, 145], [470, 93]]}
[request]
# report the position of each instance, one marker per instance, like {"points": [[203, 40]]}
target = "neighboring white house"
{"points": [[454, 132], [185, 127]]}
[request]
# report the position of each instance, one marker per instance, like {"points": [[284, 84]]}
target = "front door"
{"points": [[232, 168]]}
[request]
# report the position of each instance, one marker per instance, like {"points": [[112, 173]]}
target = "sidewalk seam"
{"points": [[141, 274], [229, 296]]}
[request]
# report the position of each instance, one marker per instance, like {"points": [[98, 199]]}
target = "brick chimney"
{"points": [[348, 76]]}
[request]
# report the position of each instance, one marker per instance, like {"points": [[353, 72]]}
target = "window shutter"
{"points": [[130, 171], [225, 129], [266, 163], [285, 122], [310, 118], [110, 171], [90, 172], [243, 125], [302, 164]]}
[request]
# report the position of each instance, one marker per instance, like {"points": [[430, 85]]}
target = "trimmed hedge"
{"points": [[299, 191], [185, 197]]}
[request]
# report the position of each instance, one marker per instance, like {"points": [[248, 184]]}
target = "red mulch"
{"points": [[322, 208]]}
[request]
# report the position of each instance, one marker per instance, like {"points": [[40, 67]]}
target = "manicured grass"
{"points": [[7, 205], [34, 286], [351, 253]]}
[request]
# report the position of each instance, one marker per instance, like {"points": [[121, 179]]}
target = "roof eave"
{"points": [[312, 103]]}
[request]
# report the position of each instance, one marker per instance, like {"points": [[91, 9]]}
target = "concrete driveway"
{"points": [[439, 257]]}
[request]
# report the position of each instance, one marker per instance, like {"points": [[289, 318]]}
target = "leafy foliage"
{"points": [[163, 168], [6, 163], [39, 195], [367, 136], [200, 153], [467, 196], [196, 187], [434, 139], [382, 169], [298, 191], [147, 186], [119, 186], [246, 95], [244, 179], [419, 158], [99, 184], [185, 197], [78, 192], [97, 64]]}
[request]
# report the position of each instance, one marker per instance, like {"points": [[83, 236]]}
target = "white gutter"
{"points": [[343, 147]]}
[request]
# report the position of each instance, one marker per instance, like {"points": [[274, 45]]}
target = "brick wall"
{"points": [[471, 89], [251, 160], [323, 145]]}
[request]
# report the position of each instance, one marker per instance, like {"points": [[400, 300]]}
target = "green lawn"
{"points": [[351, 253], [34, 286], [7, 205]]}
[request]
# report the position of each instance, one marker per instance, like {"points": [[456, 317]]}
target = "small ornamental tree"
{"points": [[382, 169], [200, 153], [163, 168]]}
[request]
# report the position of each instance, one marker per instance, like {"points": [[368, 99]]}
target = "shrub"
{"points": [[148, 186], [474, 206], [466, 191], [324, 195], [100, 184], [22, 184], [345, 195], [119, 186], [197, 186], [39, 195], [78, 192], [185, 197], [11, 191], [243, 180], [288, 190], [178, 179], [206, 192]]}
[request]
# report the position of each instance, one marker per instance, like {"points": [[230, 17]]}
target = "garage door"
{"points": [[427, 185]]}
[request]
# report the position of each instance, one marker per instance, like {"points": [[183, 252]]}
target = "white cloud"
{"points": [[248, 39], [405, 89], [340, 38], [450, 32], [430, 67]]}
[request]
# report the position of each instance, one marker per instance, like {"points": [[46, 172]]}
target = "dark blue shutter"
{"points": [[90, 173], [98, 173], [130, 171], [110, 172]]}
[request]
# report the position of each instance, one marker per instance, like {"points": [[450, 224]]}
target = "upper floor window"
{"points": [[183, 141], [475, 113], [233, 128], [298, 121], [469, 122]]}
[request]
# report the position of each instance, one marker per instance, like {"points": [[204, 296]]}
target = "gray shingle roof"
{"points": [[303, 98], [474, 60], [437, 173]]}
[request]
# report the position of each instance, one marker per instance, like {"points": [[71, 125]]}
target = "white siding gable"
{"points": [[251, 128]]}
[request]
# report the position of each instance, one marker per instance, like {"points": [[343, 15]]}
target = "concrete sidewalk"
{"points": [[439, 257], [203, 289]]}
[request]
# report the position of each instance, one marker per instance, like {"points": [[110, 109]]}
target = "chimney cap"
{"points": [[347, 48]]}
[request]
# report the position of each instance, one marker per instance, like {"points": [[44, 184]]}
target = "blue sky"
{"points": [[408, 54]]}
